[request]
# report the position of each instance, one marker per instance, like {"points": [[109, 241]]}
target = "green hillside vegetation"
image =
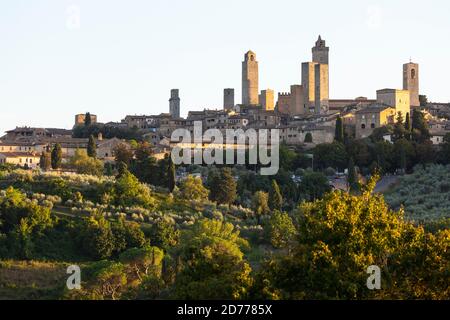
{"points": [[137, 241], [425, 194]]}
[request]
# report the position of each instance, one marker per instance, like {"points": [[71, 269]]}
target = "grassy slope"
{"points": [[20, 280]]}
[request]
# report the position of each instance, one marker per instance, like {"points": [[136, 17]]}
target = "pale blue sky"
{"points": [[126, 55]]}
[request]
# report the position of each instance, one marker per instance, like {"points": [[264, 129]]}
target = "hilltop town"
{"points": [[306, 116], [361, 189]]}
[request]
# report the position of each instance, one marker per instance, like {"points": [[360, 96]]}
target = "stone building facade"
{"points": [[398, 99], [372, 117]]}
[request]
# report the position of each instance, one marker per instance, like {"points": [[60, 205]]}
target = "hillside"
{"points": [[31, 280]]}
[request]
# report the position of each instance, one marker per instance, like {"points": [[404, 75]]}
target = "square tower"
{"points": [[321, 104], [267, 99], [308, 83], [411, 82], [228, 99], [298, 106], [250, 82], [174, 103]]}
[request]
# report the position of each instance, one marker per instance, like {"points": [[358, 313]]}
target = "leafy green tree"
{"points": [[92, 147], [384, 155], [97, 238], [425, 152], [275, 197], [404, 154], [339, 131], [444, 153], [330, 155], [352, 180], [423, 100], [143, 261], [260, 203], [128, 235], [420, 132], [107, 280], [281, 230], [84, 164], [222, 186], [14, 207], [164, 234], [337, 242], [287, 157], [192, 188], [45, 162], [378, 134], [314, 185], [145, 165], [308, 138], [211, 263], [128, 191], [123, 153], [56, 156], [399, 127], [359, 150]]}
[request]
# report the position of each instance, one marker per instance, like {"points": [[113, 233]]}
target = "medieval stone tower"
{"points": [[411, 82], [320, 52], [228, 99], [321, 103], [250, 83], [315, 79], [174, 103]]}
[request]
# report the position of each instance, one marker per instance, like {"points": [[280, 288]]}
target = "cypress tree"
{"points": [[408, 127], [171, 175], [352, 180], [222, 186], [87, 119], [419, 125], [275, 197], [45, 162], [92, 147], [339, 133], [56, 156]]}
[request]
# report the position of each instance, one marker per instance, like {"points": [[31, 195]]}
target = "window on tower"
{"points": [[413, 73]]}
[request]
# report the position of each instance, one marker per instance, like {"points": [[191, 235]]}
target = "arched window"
{"points": [[363, 126], [372, 125], [413, 73]]}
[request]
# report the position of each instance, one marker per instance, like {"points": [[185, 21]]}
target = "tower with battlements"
{"points": [[320, 52], [250, 82]]}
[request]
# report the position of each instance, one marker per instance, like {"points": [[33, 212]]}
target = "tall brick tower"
{"points": [[174, 103], [411, 82], [320, 52], [250, 82]]}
